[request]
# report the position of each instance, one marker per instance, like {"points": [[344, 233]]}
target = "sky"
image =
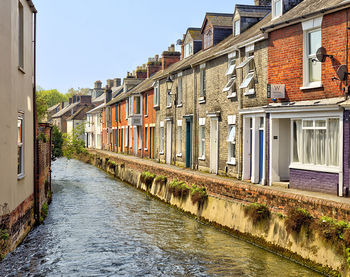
{"points": [[81, 41]]}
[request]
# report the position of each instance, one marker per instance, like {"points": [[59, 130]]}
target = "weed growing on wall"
{"points": [[257, 212], [4, 238], [147, 178], [198, 194], [160, 180], [179, 188], [297, 218]]}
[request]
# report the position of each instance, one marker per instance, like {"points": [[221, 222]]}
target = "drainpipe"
{"points": [[35, 144]]}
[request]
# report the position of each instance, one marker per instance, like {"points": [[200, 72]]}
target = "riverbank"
{"points": [[258, 214]]}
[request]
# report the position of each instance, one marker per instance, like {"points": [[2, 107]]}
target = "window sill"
{"points": [[161, 153], [232, 95], [250, 92], [179, 106], [312, 86], [20, 176], [201, 100], [156, 107], [168, 107], [231, 162], [146, 115], [20, 68], [179, 155], [310, 167], [146, 149], [201, 158]]}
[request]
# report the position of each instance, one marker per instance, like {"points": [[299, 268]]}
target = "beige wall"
{"points": [[16, 90]]}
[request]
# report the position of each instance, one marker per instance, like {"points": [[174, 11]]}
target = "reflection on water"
{"points": [[98, 226]]}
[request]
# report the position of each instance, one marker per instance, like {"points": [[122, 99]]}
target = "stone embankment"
{"points": [[308, 230]]}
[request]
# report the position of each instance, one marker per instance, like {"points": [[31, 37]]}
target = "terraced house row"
{"points": [[260, 95]]}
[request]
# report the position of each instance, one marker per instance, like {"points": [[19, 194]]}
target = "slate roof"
{"points": [[220, 19], [66, 109], [252, 11], [306, 8], [80, 114], [53, 107], [195, 33], [115, 92], [97, 108]]}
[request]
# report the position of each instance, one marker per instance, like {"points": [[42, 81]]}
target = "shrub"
{"points": [[198, 194], [160, 179], [179, 189], [147, 178], [44, 210], [4, 235], [57, 141], [297, 218], [257, 212], [334, 231]]}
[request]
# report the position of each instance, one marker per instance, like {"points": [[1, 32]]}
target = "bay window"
{"points": [[316, 141]]}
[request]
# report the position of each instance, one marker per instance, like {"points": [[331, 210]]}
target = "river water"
{"points": [[98, 226]]}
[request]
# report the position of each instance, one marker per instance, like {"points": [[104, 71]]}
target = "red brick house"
{"points": [[308, 117]]}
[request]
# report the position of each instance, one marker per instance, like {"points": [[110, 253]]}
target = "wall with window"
{"points": [[16, 105], [292, 50]]}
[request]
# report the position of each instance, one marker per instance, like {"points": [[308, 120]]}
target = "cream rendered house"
{"points": [[17, 86]]}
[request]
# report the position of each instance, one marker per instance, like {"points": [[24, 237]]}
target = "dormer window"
{"points": [[188, 49], [277, 8], [237, 27]]}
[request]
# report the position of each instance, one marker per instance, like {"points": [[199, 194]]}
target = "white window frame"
{"points": [[247, 73], [156, 99], [275, 13], [188, 49], [179, 90], [237, 23], [161, 140], [310, 26], [202, 83], [179, 138], [20, 145], [126, 136], [126, 109], [139, 137], [20, 36], [146, 104], [314, 166]]}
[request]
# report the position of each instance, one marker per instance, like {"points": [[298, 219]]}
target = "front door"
{"points": [[188, 143], [168, 142], [214, 145], [261, 154]]}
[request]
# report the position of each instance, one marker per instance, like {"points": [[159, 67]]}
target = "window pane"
{"points": [[19, 160], [19, 131], [308, 146], [320, 147], [297, 141], [314, 41], [314, 71], [320, 123], [278, 8], [333, 142], [308, 123]]}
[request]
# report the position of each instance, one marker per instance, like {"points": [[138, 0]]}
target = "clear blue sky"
{"points": [[81, 41]]}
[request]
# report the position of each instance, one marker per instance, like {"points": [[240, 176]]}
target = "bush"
{"points": [[4, 235], [73, 144], [147, 178], [57, 141], [160, 180], [297, 218], [333, 231], [198, 194], [257, 212], [179, 189], [44, 210]]}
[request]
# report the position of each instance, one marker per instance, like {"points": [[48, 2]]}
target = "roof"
{"points": [[305, 9], [195, 33], [252, 11], [31, 5], [222, 48], [218, 20], [97, 108], [66, 109], [307, 103], [142, 87], [80, 114], [53, 107], [115, 92]]}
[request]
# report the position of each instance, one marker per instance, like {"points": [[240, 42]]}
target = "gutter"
{"points": [[32, 7], [298, 19]]}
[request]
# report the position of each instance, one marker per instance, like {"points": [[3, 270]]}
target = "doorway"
{"points": [[188, 142], [168, 141], [214, 144]]}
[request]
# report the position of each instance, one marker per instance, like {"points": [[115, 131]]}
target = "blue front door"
{"points": [[261, 154], [188, 143]]}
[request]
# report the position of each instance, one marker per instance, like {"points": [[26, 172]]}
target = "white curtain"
{"points": [[320, 147], [297, 143], [309, 147], [333, 139]]}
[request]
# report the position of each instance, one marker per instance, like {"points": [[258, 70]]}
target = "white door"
{"points": [[168, 142], [214, 145]]}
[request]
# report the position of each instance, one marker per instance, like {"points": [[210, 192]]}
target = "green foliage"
{"points": [[44, 210], [297, 218], [147, 178], [160, 179], [46, 99], [4, 235], [73, 144], [257, 212], [198, 194], [332, 230], [43, 138], [57, 141], [178, 188]]}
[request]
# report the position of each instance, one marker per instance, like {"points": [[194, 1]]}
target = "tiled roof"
{"points": [[53, 107], [80, 114], [66, 109], [195, 33], [97, 108], [220, 19], [306, 8], [252, 11], [115, 92]]}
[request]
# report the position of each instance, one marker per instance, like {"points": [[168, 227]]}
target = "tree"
{"points": [[57, 141], [72, 143], [46, 99]]}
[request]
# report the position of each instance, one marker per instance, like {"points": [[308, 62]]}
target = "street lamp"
{"points": [[169, 84]]}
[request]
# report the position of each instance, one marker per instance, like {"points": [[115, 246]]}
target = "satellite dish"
{"points": [[321, 54], [342, 72], [179, 42]]}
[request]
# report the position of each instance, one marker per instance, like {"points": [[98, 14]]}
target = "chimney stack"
{"points": [[108, 94], [85, 99], [141, 72], [153, 66], [170, 57], [74, 99], [117, 82], [98, 84], [109, 83], [262, 2], [70, 100]]}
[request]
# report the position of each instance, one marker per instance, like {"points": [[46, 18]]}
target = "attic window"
{"points": [[277, 8], [188, 49], [237, 27]]}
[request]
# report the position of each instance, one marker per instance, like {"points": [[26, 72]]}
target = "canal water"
{"points": [[98, 226]]}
